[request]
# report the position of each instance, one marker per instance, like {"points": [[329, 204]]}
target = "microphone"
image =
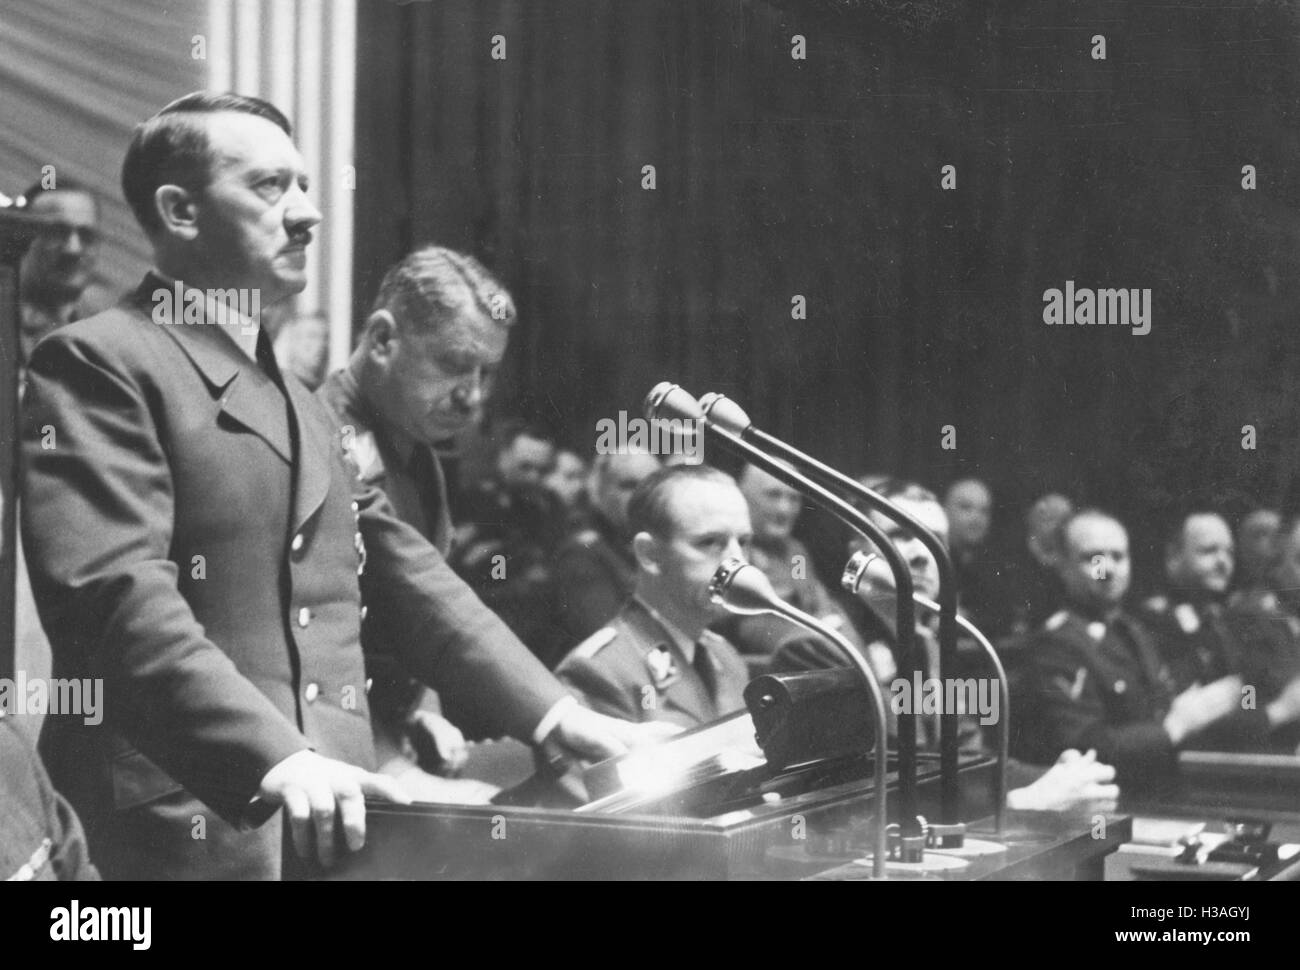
{"points": [[668, 400], [861, 569], [723, 413], [745, 590]]}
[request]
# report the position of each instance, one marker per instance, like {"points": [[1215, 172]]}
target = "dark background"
{"points": [[821, 177]]}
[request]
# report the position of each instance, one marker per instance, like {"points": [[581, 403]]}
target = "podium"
{"points": [[721, 820]]}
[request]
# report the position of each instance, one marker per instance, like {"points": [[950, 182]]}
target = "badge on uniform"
{"points": [[361, 452], [663, 670], [1187, 619]]}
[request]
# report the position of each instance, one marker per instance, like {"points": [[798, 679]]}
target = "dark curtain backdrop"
{"points": [[821, 177]]}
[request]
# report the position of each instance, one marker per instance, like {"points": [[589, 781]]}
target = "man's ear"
{"points": [[177, 209], [380, 334], [646, 549]]}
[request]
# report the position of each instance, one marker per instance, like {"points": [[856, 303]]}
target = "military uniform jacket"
{"points": [[1199, 643], [384, 463], [633, 670], [593, 575], [790, 570], [1087, 688], [40, 836], [197, 538]]}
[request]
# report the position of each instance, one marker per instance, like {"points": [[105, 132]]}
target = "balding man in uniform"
{"points": [[656, 661], [1096, 680], [774, 508], [1197, 638]]}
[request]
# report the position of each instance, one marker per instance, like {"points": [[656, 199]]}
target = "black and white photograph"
{"points": [[676, 440]]}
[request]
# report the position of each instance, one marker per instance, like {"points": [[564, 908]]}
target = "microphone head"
{"points": [[743, 589], [866, 572], [725, 413], [667, 400]]}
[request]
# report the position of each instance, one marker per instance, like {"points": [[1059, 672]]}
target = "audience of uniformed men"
{"points": [[602, 574]]}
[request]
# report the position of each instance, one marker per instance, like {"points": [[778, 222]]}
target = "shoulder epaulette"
{"points": [[595, 643]]}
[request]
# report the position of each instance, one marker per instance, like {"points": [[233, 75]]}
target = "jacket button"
{"points": [[1120, 686], [369, 681], [311, 693], [356, 507], [304, 616], [364, 611], [296, 545]]}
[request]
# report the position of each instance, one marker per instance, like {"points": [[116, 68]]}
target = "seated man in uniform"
{"points": [[40, 835], [1095, 679], [982, 577], [774, 508], [567, 482], [876, 606], [656, 661], [505, 531], [1267, 622], [1038, 576], [594, 570], [1257, 539], [1199, 641]]}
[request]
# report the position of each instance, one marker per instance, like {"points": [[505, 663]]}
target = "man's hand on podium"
{"points": [[441, 739], [582, 734], [1076, 779], [314, 790], [424, 787]]}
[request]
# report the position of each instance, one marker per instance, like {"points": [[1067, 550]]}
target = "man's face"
{"points": [[617, 479], [1257, 541], [57, 267], [254, 220], [921, 565], [1203, 559], [568, 478], [711, 522], [774, 505], [525, 462], [1044, 519], [1095, 565], [434, 384], [970, 512], [1286, 573]]}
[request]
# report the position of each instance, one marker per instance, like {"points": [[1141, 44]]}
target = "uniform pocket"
{"points": [[138, 781]]}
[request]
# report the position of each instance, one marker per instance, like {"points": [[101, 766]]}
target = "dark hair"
{"points": [[649, 508], [433, 285], [896, 488], [61, 184], [172, 148], [511, 430]]}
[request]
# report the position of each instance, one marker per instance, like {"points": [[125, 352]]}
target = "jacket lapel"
{"points": [[686, 693], [246, 395], [315, 439]]}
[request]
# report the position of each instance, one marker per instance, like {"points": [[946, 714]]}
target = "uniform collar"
{"points": [[401, 444], [672, 634]]}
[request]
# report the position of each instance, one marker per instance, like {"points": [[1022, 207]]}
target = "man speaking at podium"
{"points": [[198, 539]]}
